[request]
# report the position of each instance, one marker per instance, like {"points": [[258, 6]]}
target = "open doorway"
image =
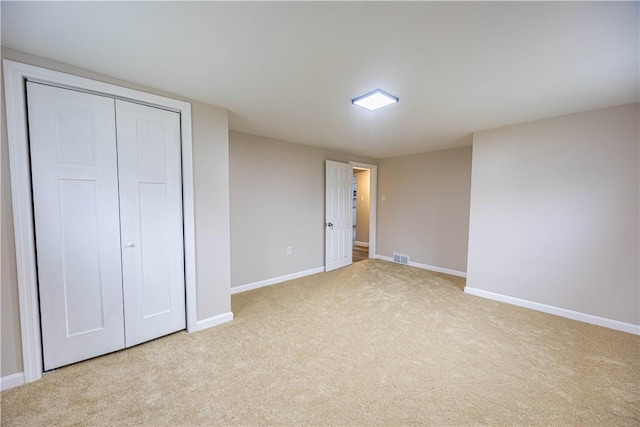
{"points": [[361, 213], [339, 202]]}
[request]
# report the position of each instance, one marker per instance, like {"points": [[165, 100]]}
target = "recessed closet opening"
{"points": [[111, 215], [107, 199]]}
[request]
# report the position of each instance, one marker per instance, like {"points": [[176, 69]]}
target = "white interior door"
{"points": [[149, 158], [338, 223], [75, 192]]}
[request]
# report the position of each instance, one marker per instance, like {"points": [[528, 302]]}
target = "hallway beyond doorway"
{"points": [[360, 253]]}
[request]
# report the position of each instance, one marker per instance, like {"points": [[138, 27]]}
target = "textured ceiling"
{"points": [[289, 70]]}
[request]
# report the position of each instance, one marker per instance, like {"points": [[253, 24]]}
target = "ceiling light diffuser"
{"points": [[374, 100]]}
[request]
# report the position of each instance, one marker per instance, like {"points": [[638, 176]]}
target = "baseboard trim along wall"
{"points": [[558, 311], [212, 321], [275, 280], [427, 267], [15, 380], [364, 244], [11, 381]]}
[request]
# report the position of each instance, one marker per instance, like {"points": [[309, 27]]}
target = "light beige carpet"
{"points": [[371, 344]]}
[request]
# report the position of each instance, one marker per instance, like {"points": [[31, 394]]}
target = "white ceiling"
{"points": [[289, 70]]}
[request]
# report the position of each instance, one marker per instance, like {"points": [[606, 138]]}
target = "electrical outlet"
{"points": [[289, 250]]}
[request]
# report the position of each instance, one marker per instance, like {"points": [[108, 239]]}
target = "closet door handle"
{"points": [[130, 245]]}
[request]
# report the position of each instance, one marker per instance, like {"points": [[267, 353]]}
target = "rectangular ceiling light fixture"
{"points": [[374, 100]]}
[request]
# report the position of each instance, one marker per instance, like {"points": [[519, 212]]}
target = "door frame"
{"points": [[15, 76], [373, 203]]}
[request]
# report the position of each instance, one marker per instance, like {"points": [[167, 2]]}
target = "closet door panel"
{"points": [[151, 221], [76, 213]]}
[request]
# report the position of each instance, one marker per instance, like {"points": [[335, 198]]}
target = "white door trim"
{"points": [[373, 203], [15, 75]]}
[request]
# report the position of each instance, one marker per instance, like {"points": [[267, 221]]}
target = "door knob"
{"points": [[328, 224], [129, 245]]}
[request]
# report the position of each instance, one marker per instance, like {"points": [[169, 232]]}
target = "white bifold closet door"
{"points": [[150, 221], [108, 220]]}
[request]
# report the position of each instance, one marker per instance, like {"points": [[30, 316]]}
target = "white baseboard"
{"points": [[365, 244], [426, 267], [273, 281], [558, 311], [11, 381], [210, 322]]}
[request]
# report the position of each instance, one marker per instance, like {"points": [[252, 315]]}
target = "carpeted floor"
{"points": [[372, 344]]}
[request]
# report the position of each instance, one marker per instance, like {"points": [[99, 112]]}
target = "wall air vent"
{"points": [[400, 259]]}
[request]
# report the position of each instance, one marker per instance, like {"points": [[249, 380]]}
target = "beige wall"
{"points": [[10, 337], [277, 200], [554, 212], [426, 210], [211, 200], [362, 205], [210, 150]]}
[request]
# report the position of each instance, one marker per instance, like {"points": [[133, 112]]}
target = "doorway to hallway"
{"points": [[340, 200], [361, 213]]}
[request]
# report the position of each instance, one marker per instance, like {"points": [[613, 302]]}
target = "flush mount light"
{"points": [[374, 100]]}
